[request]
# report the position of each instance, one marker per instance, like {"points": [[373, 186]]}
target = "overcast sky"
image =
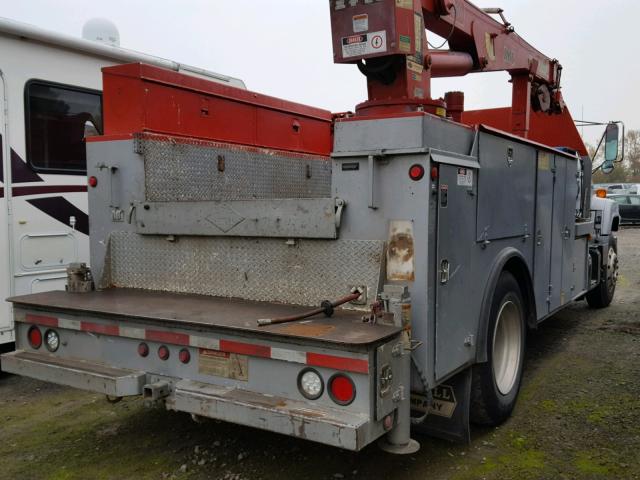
{"points": [[283, 47]]}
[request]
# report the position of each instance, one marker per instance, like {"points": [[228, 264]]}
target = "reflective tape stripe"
{"points": [[202, 342], [131, 332], [69, 324], [245, 348], [100, 328], [41, 320], [167, 337], [338, 363], [288, 355], [355, 365]]}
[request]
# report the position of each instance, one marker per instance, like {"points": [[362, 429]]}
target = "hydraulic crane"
{"points": [[388, 41]]}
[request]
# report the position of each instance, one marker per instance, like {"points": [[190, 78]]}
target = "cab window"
{"points": [[58, 119]]}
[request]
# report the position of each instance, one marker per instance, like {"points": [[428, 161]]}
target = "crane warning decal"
{"points": [[364, 44], [465, 177], [360, 23]]}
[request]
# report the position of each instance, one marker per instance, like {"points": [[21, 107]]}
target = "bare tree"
{"points": [[625, 172], [632, 155]]}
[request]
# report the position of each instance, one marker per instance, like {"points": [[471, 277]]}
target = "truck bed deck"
{"points": [[345, 327]]}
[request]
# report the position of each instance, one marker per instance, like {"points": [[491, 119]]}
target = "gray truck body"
{"points": [[272, 235]]}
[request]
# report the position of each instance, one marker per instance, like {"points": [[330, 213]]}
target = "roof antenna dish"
{"points": [[101, 30]]}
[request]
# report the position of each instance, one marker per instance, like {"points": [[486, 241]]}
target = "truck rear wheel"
{"points": [[602, 295], [496, 383]]}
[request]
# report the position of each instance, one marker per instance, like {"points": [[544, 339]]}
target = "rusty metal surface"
{"points": [[345, 327], [331, 426]]}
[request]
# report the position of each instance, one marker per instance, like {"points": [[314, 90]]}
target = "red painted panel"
{"points": [[100, 328], [41, 320], [552, 130], [141, 98], [167, 337], [338, 363], [245, 348]]}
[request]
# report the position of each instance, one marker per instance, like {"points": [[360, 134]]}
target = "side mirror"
{"points": [[611, 142], [607, 167]]}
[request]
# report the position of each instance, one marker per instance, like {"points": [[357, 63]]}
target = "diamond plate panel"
{"points": [[266, 270], [187, 170]]}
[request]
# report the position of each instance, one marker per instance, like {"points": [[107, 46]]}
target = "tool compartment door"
{"points": [[558, 233], [568, 288], [544, 221], [455, 319]]}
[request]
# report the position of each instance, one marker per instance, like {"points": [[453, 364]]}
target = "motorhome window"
{"points": [[58, 119]]}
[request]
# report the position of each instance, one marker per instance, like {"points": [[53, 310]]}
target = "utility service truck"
{"points": [[339, 278]]}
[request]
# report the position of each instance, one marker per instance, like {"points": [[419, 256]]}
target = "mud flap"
{"points": [[449, 413]]}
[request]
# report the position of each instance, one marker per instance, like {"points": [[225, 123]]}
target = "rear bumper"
{"points": [[75, 373], [337, 428], [276, 414]]}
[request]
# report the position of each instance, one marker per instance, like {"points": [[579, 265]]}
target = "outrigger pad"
{"points": [[449, 413]]}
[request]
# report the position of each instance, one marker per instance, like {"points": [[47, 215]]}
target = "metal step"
{"points": [[80, 374]]}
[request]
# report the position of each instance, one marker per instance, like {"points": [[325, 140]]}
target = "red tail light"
{"points": [[93, 182], [342, 389], [143, 349], [416, 172], [184, 356], [35, 337], [163, 352]]}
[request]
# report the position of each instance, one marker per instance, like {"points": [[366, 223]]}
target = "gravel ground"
{"points": [[578, 416]]}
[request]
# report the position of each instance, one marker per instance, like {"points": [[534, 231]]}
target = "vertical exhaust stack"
{"points": [[455, 105]]}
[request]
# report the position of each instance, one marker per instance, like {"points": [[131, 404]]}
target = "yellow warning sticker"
{"points": [[360, 23], [223, 364], [490, 46], [408, 4], [415, 67], [544, 161]]}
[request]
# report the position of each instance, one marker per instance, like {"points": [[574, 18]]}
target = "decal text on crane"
{"points": [[364, 44]]}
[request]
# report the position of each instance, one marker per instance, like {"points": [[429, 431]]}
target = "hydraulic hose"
{"points": [[326, 307]]}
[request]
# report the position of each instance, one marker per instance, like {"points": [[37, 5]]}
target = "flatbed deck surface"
{"points": [[345, 327]]}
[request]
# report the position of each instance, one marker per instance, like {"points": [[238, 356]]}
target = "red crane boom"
{"points": [[388, 41]]}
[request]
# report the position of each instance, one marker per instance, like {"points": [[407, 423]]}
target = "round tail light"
{"points": [[342, 389], [163, 352], [93, 182], [416, 172], [310, 384], [143, 349], [35, 337], [184, 356], [51, 340]]}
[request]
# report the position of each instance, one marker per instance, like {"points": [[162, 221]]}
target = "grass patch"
{"points": [[586, 464]]}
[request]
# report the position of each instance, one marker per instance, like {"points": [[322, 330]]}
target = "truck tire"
{"points": [[496, 383], [602, 295]]}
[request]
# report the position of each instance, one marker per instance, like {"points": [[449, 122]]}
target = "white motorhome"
{"points": [[50, 91]]}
